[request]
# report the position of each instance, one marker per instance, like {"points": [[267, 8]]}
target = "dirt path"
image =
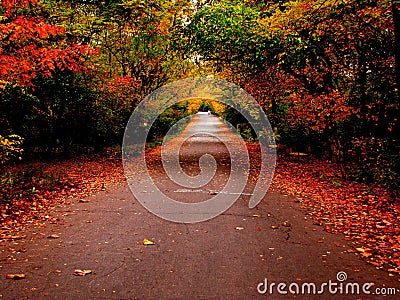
{"points": [[223, 258]]}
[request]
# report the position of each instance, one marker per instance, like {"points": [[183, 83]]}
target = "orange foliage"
{"points": [[30, 47]]}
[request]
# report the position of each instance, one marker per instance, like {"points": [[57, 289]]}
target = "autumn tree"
{"points": [[323, 68], [30, 47], [39, 66], [134, 37], [343, 55], [136, 56]]}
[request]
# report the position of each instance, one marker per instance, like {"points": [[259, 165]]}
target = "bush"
{"points": [[54, 117], [375, 160]]}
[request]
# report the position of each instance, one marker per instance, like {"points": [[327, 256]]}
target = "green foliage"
{"points": [[246, 132], [168, 119], [55, 117], [205, 106], [323, 70], [240, 123], [226, 35], [375, 160], [135, 37]]}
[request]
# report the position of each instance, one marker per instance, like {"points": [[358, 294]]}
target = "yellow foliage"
{"points": [[194, 105], [218, 107], [297, 14], [10, 148]]}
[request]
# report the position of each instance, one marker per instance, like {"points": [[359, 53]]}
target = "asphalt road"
{"points": [[227, 257]]}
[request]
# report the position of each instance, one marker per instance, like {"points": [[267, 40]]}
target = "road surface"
{"points": [[229, 257]]}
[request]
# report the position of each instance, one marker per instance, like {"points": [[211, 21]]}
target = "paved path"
{"points": [[207, 260]]}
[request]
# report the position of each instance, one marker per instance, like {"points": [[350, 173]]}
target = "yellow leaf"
{"points": [[79, 272], [148, 242]]}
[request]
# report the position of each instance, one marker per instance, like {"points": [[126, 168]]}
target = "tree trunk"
{"points": [[337, 152]]}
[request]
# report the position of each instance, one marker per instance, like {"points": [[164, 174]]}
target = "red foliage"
{"points": [[30, 47], [320, 112], [11, 6]]}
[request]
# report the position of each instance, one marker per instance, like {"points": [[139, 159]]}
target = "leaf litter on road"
{"points": [[51, 183], [367, 215]]}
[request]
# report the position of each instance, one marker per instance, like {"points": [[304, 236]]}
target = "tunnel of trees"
{"points": [[326, 73]]}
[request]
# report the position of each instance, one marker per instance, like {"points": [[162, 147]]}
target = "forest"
{"points": [[326, 72]]}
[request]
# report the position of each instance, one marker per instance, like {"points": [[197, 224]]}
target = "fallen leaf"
{"points": [[79, 272], [53, 236], [239, 228], [274, 227], [16, 276], [148, 242]]}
